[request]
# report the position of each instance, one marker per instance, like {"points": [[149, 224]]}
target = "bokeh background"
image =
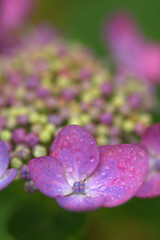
{"points": [[24, 216]]}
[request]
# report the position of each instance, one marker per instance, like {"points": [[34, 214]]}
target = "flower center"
{"points": [[79, 187]]}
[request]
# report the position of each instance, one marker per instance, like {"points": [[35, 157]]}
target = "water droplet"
{"points": [[141, 153], [102, 188], [103, 173], [92, 159], [69, 169], [123, 183], [65, 143], [59, 175]]}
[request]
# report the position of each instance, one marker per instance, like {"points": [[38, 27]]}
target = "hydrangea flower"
{"points": [[83, 177], [151, 143], [43, 89], [130, 50], [6, 175]]}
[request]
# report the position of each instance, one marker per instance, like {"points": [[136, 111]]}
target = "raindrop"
{"points": [[92, 159], [69, 169], [102, 188], [65, 143]]}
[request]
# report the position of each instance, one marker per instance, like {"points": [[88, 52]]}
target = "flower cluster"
{"points": [[45, 89], [50, 86]]}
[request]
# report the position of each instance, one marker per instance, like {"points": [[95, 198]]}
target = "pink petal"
{"points": [[49, 176], [151, 187], [151, 139], [79, 202], [120, 173], [13, 12], [4, 158], [76, 150], [124, 39], [8, 177], [148, 63]]}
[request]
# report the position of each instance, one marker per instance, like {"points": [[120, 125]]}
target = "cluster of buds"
{"points": [[43, 89]]}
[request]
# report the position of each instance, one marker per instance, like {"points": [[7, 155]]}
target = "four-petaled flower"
{"points": [[6, 175], [151, 143], [83, 177]]}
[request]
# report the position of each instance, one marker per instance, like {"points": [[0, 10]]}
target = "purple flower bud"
{"points": [[32, 82], [31, 139], [43, 92], [2, 122], [19, 135], [135, 101], [24, 173], [106, 118], [107, 89], [22, 119], [55, 119], [30, 187]]}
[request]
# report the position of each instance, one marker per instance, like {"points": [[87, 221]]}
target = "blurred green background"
{"points": [[27, 217]]}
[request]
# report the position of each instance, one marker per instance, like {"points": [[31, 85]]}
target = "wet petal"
{"points": [[76, 150], [4, 158], [49, 176], [120, 173], [80, 202], [151, 187], [8, 177], [151, 139]]}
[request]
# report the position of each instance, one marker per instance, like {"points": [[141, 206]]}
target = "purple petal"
{"points": [[8, 177], [4, 158], [151, 187], [49, 176], [120, 173], [76, 150], [151, 139], [79, 202]]}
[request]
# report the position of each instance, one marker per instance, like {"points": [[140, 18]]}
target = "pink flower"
{"points": [[151, 143], [6, 175], [83, 177], [13, 13], [130, 50]]}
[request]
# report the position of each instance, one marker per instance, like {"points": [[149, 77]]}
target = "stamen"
{"points": [[79, 187]]}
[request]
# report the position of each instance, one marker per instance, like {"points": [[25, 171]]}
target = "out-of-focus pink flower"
{"points": [[13, 13], [132, 53], [151, 143]]}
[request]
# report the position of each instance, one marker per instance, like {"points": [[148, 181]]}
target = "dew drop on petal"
{"points": [[92, 159], [141, 153], [65, 143], [69, 169]]}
